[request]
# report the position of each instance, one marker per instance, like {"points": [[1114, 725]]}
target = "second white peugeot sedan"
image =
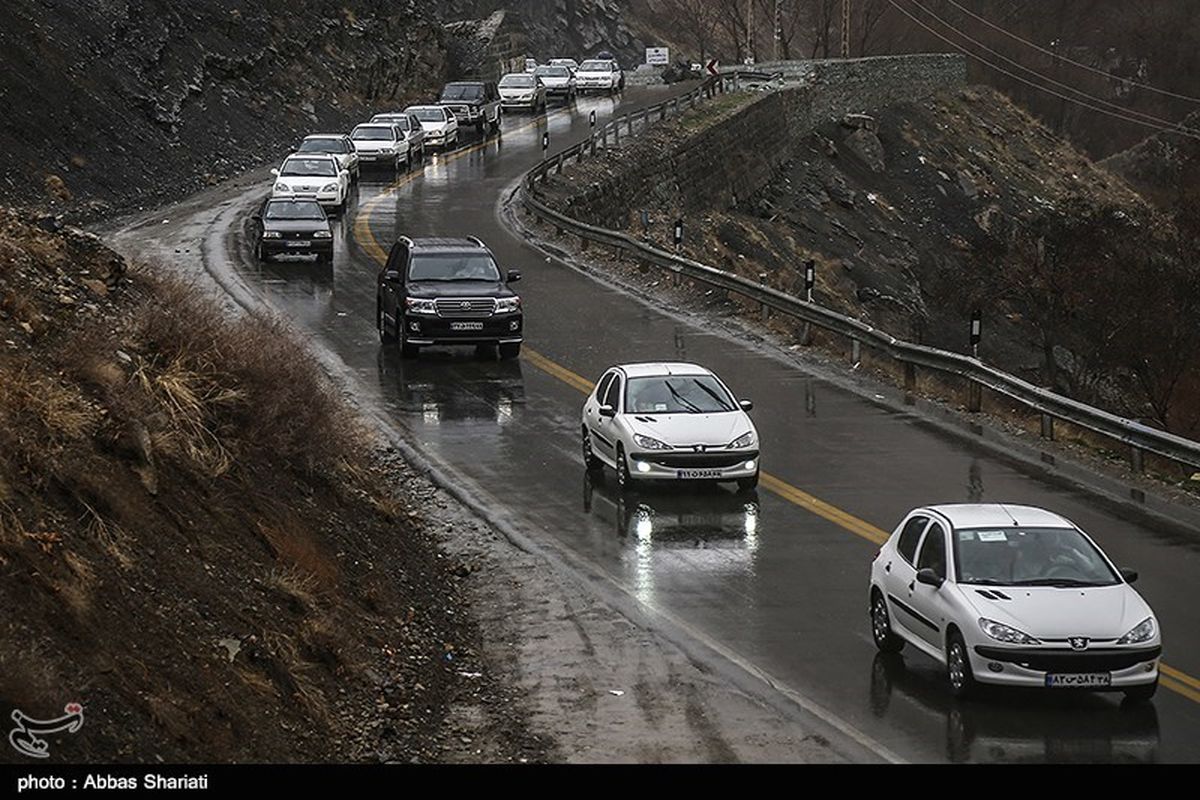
{"points": [[669, 422], [1012, 595]]}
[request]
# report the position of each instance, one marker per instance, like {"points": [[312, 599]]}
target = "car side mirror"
{"points": [[930, 578], [391, 276], [1130, 575], [746, 405], [607, 411], [513, 276], [256, 217], [275, 171]]}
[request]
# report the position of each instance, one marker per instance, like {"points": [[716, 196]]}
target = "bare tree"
{"points": [[697, 20], [865, 23], [823, 19]]}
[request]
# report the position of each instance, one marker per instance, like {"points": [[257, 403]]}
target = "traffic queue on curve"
{"points": [[995, 593]]}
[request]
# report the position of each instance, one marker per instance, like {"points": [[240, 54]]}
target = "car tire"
{"points": [[324, 258], [1141, 694], [510, 350], [881, 626], [748, 484], [624, 476], [590, 462], [385, 336], [260, 253], [958, 667]]}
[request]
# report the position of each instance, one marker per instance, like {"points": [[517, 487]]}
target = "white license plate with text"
{"points": [[1082, 680], [697, 474], [466, 326]]}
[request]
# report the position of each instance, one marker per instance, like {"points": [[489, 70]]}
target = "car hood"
{"points": [[556, 81], [373, 145], [436, 127], [1044, 612], [306, 180], [682, 430], [515, 92], [294, 225], [458, 289]]}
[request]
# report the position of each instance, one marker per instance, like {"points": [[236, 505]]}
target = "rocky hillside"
{"points": [[197, 544], [120, 103], [571, 28]]}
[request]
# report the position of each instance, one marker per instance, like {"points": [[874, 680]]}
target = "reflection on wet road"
{"points": [[774, 578]]}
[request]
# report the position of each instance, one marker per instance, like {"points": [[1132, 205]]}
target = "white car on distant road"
{"points": [[1012, 595], [599, 75], [558, 80], [410, 126], [522, 90], [669, 422], [569, 63], [440, 124], [381, 144], [315, 177], [337, 145]]}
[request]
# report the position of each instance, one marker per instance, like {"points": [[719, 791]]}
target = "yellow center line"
{"points": [[1170, 678]]}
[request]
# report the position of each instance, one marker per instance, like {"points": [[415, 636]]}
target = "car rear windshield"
{"points": [[677, 394], [373, 133], [308, 166], [329, 145], [552, 72], [294, 209], [519, 81], [1017, 556], [453, 267], [429, 114], [595, 66], [462, 92]]}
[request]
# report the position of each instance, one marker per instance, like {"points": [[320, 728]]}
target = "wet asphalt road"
{"points": [[780, 587]]}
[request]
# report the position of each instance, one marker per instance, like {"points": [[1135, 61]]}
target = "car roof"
{"points": [[311, 156], [446, 243], [383, 123], [653, 368], [982, 515], [325, 136], [422, 108], [465, 83]]}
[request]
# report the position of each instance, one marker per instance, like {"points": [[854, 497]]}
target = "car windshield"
{"points": [[517, 81], [462, 92], [373, 133], [1017, 556], [677, 394], [552, 72], [294, 209], [308, 166], [322, 146], [390, 119], [453, 267], [429, 114], [594, 66]]}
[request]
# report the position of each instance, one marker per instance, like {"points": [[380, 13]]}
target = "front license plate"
{"points": [[697, 474], [1083, 680], [297, 244], [466, 326]]}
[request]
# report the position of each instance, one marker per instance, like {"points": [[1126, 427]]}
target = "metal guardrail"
{"points": [[1140, 438]]}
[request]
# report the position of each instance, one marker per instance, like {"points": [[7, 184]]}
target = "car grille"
{"points": [[688, 460], [465, 307], [1069, 660]]}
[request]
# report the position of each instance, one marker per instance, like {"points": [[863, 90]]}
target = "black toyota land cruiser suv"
{"points": [[447, 291]]}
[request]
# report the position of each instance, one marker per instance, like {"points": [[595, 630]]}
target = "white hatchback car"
{"points": [[313, 177], [441, 126], [1012, 595], [669, 422]]}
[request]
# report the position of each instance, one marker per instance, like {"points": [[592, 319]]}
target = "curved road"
{"points": [[777, 581]]}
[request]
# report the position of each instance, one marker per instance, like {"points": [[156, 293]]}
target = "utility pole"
{"points": [[778, 27], [750, 30], [845, 28]]}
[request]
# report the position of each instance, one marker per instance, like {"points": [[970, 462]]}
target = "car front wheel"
{"points": [[385, 336], [590, 462], [260, 252], [881, 626], [958, 667], [510, 351], [624, 476]]}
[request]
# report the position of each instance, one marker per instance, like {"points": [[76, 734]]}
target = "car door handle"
{"points": [[912, 586], [887, 567]]}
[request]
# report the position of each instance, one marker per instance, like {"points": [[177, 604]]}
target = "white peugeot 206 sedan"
{"points": [[669, 422], [1012, 595]]}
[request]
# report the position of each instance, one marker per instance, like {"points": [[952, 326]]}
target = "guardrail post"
{"points": [[1047, 426], [675, 106], [1137, 459], [974, 397], [910, 377], [558, 164], [765, 311], [645, 118], [604, 137], [855, 352]]}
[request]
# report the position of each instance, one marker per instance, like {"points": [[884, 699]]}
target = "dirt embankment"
{"points": [[126, 103], [197, 545]]}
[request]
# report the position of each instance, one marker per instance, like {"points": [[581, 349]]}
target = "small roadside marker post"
{"points": [[975, 390], [592, 118], [810, 280], [678, 235], [545, 142], [645, 223]]}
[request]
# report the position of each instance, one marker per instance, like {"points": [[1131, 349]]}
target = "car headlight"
{"points": [[329, 187], [322, 235], [1142, 633], [419, 305], [648, 443], [507, 305], [272, 235], [282, 187], [1003, 633], [745, 440]]}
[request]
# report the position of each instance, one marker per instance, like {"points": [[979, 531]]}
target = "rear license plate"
{"points": [[1084, 680], [297, 244], [697, 474], [466, 326]]}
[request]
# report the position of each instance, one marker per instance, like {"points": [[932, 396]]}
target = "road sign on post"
{"points": [[658, 56], [678, 235], [810, 278], [711, 66], [592, 118], [976, 331]]}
